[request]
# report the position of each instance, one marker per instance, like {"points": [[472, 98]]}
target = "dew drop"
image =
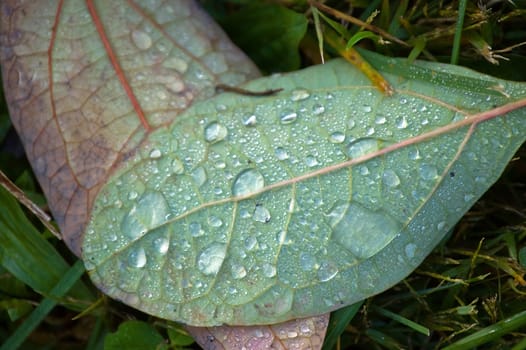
{"points": [[390, 178], [268, 270], [351, 124], [132, 195], [318, 109], [137, 258], [401, 123], [337, 137], [250, 242], [161, 245], [195, 229], [150, 211], [299, 95], [214, 221], [210, 260], [238, 271], [248, 181], [177, 166], [199, 176], [380, 119], [362, 146], [311, 161], [288, 117], [250, 120], [215, 132], [261, 214], [366, 108], [141, 39], [155, 154], [428, 172], [327, 271], [410, 250], [403, 101], [308, 262], [176, 63], [281, 153], [362, 231], [468, 197], [414, 154]]}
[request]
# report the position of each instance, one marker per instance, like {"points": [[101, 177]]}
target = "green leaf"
{"points": [[278, 31], [134, 335], [257, 210]]}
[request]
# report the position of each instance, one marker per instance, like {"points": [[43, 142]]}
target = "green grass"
{"points": [[468, 293]]}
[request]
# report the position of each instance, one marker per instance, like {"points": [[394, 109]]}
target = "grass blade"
{"points": [[458, 31], [339, 321], [41, 311]]}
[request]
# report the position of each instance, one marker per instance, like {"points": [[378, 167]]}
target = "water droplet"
{"points": [[288, 117], [380, 119], [364, 170], [468, 197], [155, 153], [176, 63], [281, 153], [141, 39], [311, 161], [210, 260], [132, 195], [215, 132], [337, 212], [161, 245], [250, 120], [214, 221], [299, 94], [428, 172], [414, 154], [327, 271], [177, 166], [199, 176], [362, 146], [318, 109], [410, 250], [137, 258], [248, 181], [261, 214], [441, 225], [390, 178], [308, 261], [401, 123], [403, 101], [337, 137], [366, 108], [238, 271], [351, 124], [195, 229], [370, 131], [268, 270], [362, 231], [150, 211], [250, 242]]}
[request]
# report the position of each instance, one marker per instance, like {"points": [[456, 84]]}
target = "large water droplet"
{"points": [[261, 214], [195, 229], [414, 154], [248, 181], [308, 261], [366, 108], [137, 258], [150, 211], [337, 137], [390, 178], [311, 161], [299, 94], [318, 109], [281, 153], [214, 221], [288, 117], [268, 270], [215, 132], [211, 259], [177, 166], [161, 245], [410, 250], [199, 176], [428, 172], [250, 120], [141, 39], [401, 123], [362, 146], [155, 154], [238, 271], [327, 271], [364, 232]]}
